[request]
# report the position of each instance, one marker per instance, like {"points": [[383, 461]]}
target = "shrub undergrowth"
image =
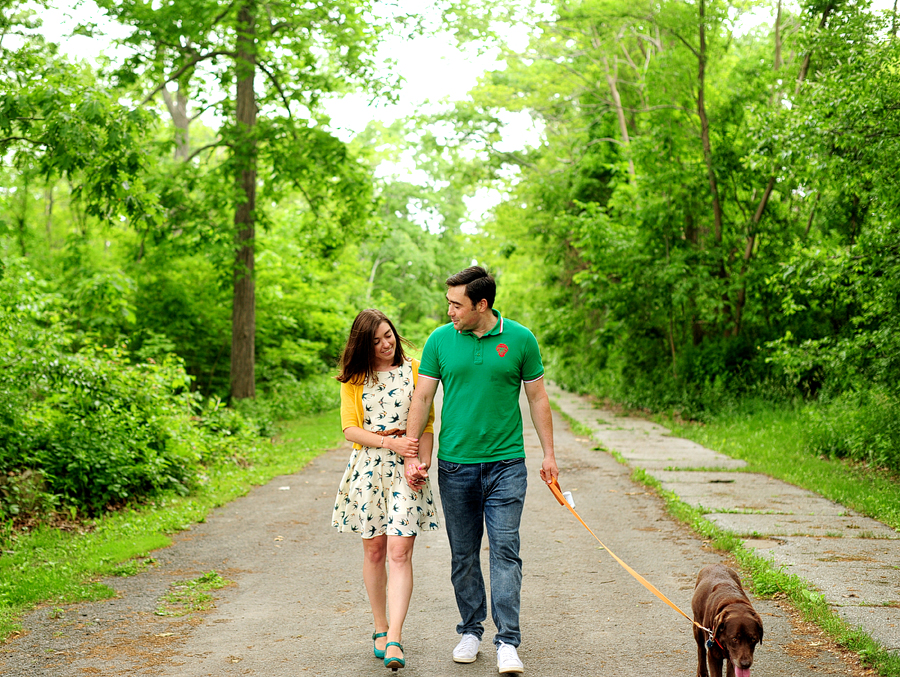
{"points": [[86, 427]]}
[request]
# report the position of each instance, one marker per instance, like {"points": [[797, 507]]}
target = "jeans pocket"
{"points": [[510, 462], [448, 467]]}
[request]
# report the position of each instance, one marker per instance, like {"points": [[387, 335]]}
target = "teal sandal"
{"points": [[393, 663], [379, 653]]}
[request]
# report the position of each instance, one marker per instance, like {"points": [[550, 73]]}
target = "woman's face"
{"points": [[385, 344]]}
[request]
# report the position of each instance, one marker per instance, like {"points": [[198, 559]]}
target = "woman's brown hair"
{"points": [[358, 358]]}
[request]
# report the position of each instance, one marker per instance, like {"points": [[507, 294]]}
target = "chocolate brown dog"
{"points": [[721, 605]]}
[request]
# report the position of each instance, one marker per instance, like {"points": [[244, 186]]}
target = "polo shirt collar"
{"points": [[496, 330]]}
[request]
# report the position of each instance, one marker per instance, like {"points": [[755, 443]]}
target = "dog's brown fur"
{"points": [[721, 605]]}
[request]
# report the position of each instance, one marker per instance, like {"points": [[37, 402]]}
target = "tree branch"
{"points": [[206, 147], [36, 142], [277, 85], [685, 42], [181, 71], [812, 214], [605, 138], [804, 67], [201, 111], [764, 201], [222, 14]]}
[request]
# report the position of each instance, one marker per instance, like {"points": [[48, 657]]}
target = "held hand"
{"points": [[405, 446], [416, 474], [549, 470]]}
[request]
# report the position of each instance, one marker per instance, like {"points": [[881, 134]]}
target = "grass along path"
{"points": [[55, 567], [772, 443]]}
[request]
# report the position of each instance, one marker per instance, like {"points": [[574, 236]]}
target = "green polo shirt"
{"points": [[480, 417]]}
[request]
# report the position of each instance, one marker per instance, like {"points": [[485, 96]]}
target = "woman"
{"points": [[376, 498]]}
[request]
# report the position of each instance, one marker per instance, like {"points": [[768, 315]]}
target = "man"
{"points": [[482, 359]]}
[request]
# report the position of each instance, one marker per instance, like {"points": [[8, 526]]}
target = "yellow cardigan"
{"points": [[352, 407]]}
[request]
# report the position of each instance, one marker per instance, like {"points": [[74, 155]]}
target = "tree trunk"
{"points": [[243, 314], [748, 253], [48, 212], [804, 67], [812, 214], [778, 37], [776, 88], [179, 113], [672, 344], [620, 113], [371, 285], [704, 126], [22, 218], [894, 21]]}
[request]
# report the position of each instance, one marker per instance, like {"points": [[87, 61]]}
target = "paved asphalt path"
{"points": [[297, 605]]}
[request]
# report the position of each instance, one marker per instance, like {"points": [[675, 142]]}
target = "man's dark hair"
{"points": [[479, 284]]}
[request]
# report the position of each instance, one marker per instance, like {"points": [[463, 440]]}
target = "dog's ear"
{"points": [[719, 622]]}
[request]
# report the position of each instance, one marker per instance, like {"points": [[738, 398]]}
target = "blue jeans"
{"points": [[475, 495]]}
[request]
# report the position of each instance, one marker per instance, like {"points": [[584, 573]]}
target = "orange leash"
{"points": [[557, 492]]}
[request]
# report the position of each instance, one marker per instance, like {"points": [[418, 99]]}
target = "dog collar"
{"points": [[709, 642]]}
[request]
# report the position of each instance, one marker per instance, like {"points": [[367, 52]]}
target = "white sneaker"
{"points": [[508, 659], [467, 649]]}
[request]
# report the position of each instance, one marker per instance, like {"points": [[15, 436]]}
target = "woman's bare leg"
{"points": [[375, 578], [400, 585]]}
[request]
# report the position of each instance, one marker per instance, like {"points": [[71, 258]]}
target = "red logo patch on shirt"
{"points": [[502, 349]]}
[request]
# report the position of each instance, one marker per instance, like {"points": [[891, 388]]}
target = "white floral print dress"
{"points": [[373, 497]]}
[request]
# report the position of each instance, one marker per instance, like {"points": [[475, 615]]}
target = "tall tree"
{"points": [[263, 67]]}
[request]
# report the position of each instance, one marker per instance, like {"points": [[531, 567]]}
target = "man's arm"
{"points": [[422, 398], [416, 465], [542, 417]]}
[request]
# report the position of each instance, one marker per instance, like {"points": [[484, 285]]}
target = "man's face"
{"points": [[464, 315]]}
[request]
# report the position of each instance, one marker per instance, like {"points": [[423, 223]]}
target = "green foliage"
{"points": [[57, 120], [290, 399], [92, 429], [856, 291], [860, 426], [646, 286]]}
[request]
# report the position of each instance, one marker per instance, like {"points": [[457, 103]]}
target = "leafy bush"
{"points": [[862, 426], [92, 429], [100, 430], [288, 398]]}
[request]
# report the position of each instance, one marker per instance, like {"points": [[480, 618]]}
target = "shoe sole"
{"points": [[457, 659], [509, 671]]}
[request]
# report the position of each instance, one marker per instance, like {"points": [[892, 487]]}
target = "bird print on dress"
{"points": [[382, 502]]}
